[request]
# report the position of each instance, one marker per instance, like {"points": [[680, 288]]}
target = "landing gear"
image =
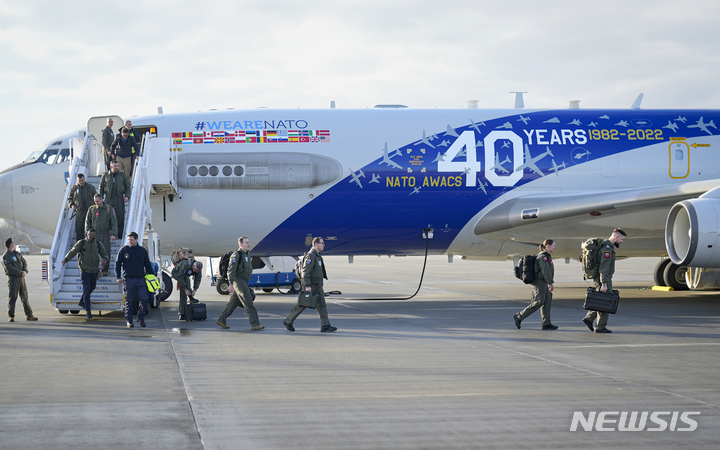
{"points": [[223, 286], [659, 271], [674, 277], [166, 287]]}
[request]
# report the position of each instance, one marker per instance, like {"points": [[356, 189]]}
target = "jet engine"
{"points": [[692, 231]]}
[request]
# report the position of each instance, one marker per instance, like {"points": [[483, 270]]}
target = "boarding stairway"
{"points": [[65, 281]]}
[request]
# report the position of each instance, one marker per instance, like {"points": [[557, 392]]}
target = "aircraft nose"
{"points": [[7, 211]]}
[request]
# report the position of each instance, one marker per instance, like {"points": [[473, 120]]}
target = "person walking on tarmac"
{"points": [[604, 282], [185, 269], [81, 198], [16, 269], [89, 251], [543, 287], [238, 274], [313, 273], [131, 266], [116, 188], [101, 218]]}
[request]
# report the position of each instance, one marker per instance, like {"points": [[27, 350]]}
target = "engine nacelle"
{"points": [[692, 231]]}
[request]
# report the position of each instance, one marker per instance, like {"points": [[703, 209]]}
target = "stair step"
{"points": [[94, 306], [73, 287], [75, 273]]}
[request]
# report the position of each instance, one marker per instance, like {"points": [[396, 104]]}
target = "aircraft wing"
{"points": [[535, 209]]}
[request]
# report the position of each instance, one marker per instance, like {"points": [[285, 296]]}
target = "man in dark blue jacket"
{"points": [[123, 148], [131, 266]]}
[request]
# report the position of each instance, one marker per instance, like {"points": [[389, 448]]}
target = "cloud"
{"points": [[63, 65]]}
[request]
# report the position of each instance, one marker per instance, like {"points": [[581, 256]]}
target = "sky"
{"points": [[64, 62]]}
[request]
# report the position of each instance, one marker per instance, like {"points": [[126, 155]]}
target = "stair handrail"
{"points": [[62, 230], [139, 212]]}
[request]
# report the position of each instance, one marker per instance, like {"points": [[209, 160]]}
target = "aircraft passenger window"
{"points": [[192, 171], [227, 171], [239, 171], [214, 171], [679, 155], [203, 171]]}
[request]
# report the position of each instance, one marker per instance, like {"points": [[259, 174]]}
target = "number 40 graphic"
{"points": [[471, 166]]}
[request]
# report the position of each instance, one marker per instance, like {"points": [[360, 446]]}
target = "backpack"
{"points": [[525, 269], [181, 253], [298, 266], [224, 264], [590, 258]]}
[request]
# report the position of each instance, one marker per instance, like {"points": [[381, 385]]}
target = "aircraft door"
{"points": [[95, 126], [679, 159]]}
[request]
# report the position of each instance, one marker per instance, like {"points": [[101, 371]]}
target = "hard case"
{"points": [[602, 301]]}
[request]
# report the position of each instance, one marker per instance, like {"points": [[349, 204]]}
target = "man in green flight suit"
{"points": [[116, 188], [107, 139], [89, 251], [81, 198], [101, 218], [313, 273], [604, 282], [16, 269], [238, 273], [185, 269]]}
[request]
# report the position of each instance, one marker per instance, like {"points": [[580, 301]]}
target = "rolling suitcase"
{"points": [[602, 301], [195, 310]]}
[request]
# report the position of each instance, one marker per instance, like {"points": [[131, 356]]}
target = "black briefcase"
{"points": [[602, 301]]}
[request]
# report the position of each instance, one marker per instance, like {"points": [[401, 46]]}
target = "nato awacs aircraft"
{"points": [[281, 177]]}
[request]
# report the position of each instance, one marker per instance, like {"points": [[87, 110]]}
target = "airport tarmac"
{"points": [[447, 369]]}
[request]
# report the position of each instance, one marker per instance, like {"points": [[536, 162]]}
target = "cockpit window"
{"points": [[64, 156], [48, 156], [33, 156]]}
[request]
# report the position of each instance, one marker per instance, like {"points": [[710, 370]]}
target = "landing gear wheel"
{"points": [[223, 286], [659, 271], [166, 287], [74, 311], [674, 277], [63, 311]]}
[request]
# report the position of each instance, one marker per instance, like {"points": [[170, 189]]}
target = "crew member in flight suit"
{"points": [[101, 218], [16, 269], [238, 274], [108, 137], [185, 269], [313, 270], [116, 188], [604, 281], [92, 255], [543, 287], [81, 198]]}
